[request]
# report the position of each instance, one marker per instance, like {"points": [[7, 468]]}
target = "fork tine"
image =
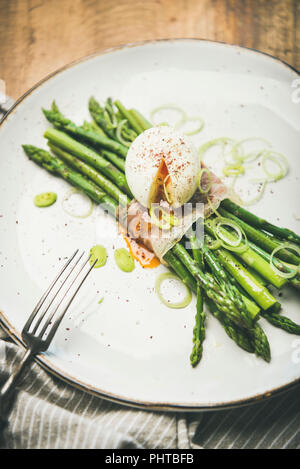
{"points": [[51, 302], [45, 295], [58, 305], [62, 314]]}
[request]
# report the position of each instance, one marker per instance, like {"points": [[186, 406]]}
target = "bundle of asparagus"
{"points": [[91, 157]]}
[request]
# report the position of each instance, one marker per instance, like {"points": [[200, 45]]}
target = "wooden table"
{"points": [[39, 36]]}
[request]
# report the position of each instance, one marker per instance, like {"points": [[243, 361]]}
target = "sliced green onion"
{"points": [[119, 129], [191, 119], [182, 121], [233, 170], [110, 119], [168, 218], [251, 156], [293, 272], [100, 301], [157, 221], [215, 244], [98, 252], [235, 245], [165, 189], [72, 214], [181, 304], [280, 160], [224, 238], [216, 141], [169, 107], [208, 172], [109, 114], [212, 207], [239, 158]]}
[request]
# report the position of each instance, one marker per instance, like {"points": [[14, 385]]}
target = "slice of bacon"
{"points": [[140, 226], [217, 192]]}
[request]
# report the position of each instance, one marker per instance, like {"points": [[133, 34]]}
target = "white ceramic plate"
{"points": [[131, 348]]}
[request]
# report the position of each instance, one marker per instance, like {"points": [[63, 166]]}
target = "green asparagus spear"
{"points": [[111, 122], [225, 283], [108, 155], [92, 174], [93, 138], [91, 157], [144, 123], [260, 223], [98, 114], [261, 343], [252, 259], [92, 126], [114, 159], [137, 127], [239, 335], [258, 277], [282, 322], [280, 265], [262, 239], [248, 309], [197, 253], [258, 292], [181, 271], [56, 166], [211, 288], [199, 329], [252, 307], [254, 341]]}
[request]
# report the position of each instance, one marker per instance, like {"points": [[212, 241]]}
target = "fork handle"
{"points": [[9, 385]]}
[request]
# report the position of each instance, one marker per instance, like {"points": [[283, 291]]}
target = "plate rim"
{"points": [[72, 380]]}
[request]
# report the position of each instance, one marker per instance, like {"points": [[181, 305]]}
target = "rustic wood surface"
{"points": [[39, 36]]}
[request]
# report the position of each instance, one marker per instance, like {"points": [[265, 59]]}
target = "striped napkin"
{"points": [[47, 413]]}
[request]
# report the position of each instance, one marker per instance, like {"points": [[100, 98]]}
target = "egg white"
{"points": [[145, 156]]}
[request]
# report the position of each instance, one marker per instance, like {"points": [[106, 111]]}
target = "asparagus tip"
{"points": [[29, 149]]}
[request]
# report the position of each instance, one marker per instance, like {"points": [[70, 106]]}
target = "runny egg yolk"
{"points": [[161, 183], [144, 256]]}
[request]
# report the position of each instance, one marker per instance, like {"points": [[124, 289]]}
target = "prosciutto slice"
{"points": [[140, 225]]}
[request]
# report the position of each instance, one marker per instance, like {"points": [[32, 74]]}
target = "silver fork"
{"points": [[44, 321]]}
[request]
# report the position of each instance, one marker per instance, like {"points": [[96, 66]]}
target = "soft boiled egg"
{"points": [[161, 165]]}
